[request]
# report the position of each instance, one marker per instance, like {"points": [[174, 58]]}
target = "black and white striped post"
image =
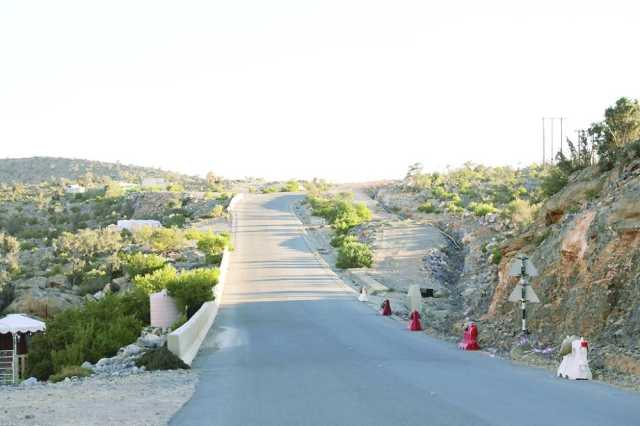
{"points": [[522, 267]]}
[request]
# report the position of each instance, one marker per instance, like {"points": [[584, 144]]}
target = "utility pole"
{"points": [[551, 138], [544, 145], [552, 152], [561, 135]]}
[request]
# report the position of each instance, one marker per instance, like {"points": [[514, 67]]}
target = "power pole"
{"points": [[544, 145], [552, 120], [561, 135]]}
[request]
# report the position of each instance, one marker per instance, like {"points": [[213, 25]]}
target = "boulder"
{"points": [[30, 381], [151, 341], [33, 297], [58, 281]]}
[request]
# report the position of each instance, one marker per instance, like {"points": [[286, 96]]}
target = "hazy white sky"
{"points": [[342, 89]]}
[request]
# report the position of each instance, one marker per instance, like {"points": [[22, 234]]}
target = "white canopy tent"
{"points": [[15, 324]]}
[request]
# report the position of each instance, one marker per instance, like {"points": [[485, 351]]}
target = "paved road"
{"points": [[292, 346]]}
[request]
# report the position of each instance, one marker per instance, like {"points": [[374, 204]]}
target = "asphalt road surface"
{"points": [[293, 346]]}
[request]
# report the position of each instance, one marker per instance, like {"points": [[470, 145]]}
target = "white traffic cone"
{"points": [[364, 297]]}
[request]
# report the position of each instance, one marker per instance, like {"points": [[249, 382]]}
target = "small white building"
{"points": [[134, 225], [153, 182], [75, 189]]}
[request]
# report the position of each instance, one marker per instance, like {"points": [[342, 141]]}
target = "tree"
{"points": [[414, 171], [623, 121], [620, 127]]}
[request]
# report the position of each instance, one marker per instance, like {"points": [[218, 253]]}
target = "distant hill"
{"points": [[40, 169]]}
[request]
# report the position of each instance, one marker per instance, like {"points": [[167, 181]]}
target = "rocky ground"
{"points": [[149, 398]]}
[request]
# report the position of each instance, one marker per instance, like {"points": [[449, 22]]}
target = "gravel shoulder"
{"points": [[139, 399]]}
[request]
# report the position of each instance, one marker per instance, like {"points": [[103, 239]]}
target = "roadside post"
{"points": [[522, 267]]}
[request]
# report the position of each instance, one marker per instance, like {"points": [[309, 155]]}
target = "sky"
{"points": [[348, 90]]}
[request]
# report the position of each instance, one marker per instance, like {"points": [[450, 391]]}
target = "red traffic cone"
{"points": [[386, 308], [470, 338], [414, 324]]}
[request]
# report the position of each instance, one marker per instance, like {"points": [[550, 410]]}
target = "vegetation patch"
{"points": [[353, 254], [93, 331], [71, 371], [161, 359]]}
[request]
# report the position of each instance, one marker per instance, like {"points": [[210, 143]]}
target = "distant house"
{"points": [[134, 225], [153, 182], [75, 189]]}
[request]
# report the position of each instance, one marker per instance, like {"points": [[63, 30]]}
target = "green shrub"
{"points": [[157, 280], [427, 207], [496, 256], [177, 220], [353, 254], [482, 209], [160, 359], [453, 208], [70, 371], [136, 303], [269, 190], [113, 190], [340, 211], [82, 248], [520, 212], [192, 288], [141, 264], [93, 281], [291, 186], [213, 245], [554, 181], [217, 211], [162, 240], [179, 322], [87, 333]]}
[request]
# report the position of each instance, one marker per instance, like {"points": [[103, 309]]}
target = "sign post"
{"points": [[522, 267]]}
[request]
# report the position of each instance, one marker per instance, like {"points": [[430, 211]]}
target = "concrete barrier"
{"points": [[186, 340]]}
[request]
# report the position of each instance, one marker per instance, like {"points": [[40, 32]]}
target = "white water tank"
{"points": [[164, 311]]}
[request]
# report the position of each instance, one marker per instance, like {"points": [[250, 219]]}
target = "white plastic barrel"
{"points": [[164, 311]]}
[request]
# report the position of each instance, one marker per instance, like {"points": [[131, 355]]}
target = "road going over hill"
{"points": [[293, 346]]}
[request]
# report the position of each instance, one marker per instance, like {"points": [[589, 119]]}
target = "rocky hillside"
{"points": [[585, 242], [41, 169]]}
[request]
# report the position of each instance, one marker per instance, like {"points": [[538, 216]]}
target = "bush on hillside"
{"points": [[353, 254], [161, 240], [87, 333], [554, 181], [157, 280], [82, 248], [212, 245], [482, 209], [141, 264], [340, 211], [427, 207], [189, 288], [192, 288], [520, 212], [160, 359], [291, 186], [71, 371], [217, 211]]}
